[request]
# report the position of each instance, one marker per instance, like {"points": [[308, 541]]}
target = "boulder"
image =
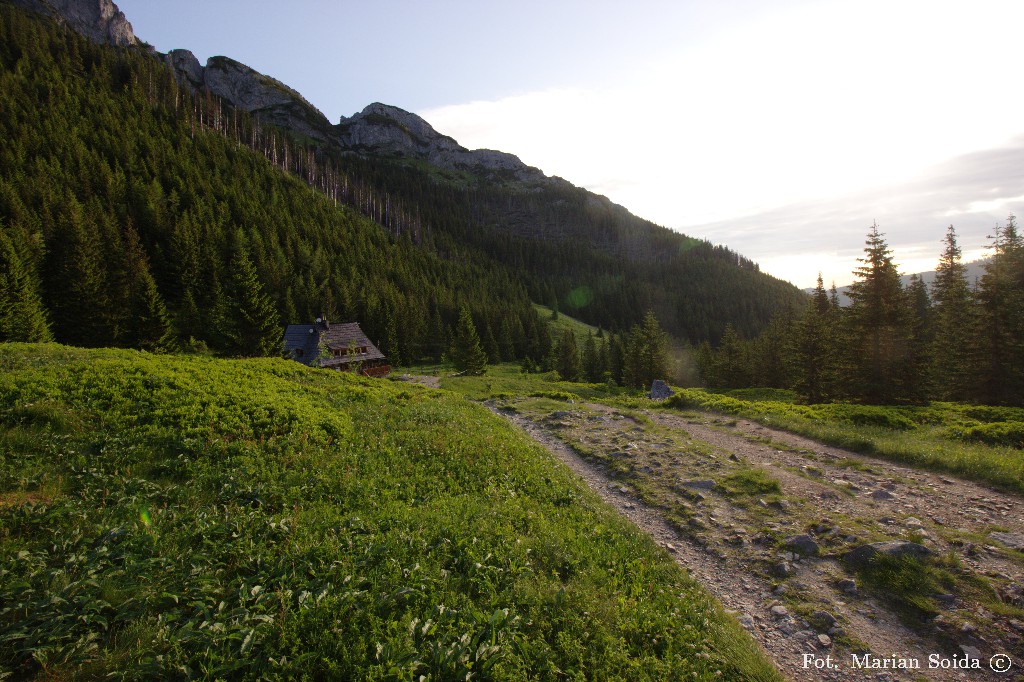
{"points": [[1011, 540], [863, 555], [660, 390], [802, 544]]}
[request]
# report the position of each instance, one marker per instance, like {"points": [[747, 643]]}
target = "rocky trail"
{"points": [[780, 529]]}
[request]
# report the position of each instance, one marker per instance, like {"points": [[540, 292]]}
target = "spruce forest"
{"points": [[962, 341]]}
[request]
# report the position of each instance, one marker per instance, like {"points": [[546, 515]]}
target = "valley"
{"points": [[830, 493], [763, 519]]}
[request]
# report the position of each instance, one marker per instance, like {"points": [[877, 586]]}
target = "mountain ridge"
{"points": [[380, 129]]}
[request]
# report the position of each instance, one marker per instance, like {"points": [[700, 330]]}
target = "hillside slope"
{"points": [[168, 516], [133, 219], [562, 244]]}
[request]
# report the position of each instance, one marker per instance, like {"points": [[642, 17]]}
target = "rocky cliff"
{"points": [[98, 20], [387, 130]]}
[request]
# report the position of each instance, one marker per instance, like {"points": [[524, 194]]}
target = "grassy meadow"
{"points": [[191, 518], [980, 443]]}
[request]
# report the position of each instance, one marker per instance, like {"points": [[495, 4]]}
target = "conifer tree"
{"points": [[878, 325], [567, 357], [953, 314], [1000, 323], [916, 370], [467, 352], [506, 341], [389, 343], [77, 295], [152, 328], [22, 315], [646, 353], [490, 345], [593, 368], [617, 359], [770, 364], [733, 360], [814, 349], [255, 327]]}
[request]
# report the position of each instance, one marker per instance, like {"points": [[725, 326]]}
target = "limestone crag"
{"points": [[186, 67], [385, 129], [99, 20], [251, 91], [270, 99]]}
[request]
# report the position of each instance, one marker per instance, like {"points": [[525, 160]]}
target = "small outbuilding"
{"points": [[343, 347]]}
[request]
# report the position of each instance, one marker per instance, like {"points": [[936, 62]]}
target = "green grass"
{"points": [[750, 482], [185, 517], [921, 436], [557, 327], [508, 380]]}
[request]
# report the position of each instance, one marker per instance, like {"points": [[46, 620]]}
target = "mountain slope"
{"points": [[565, 246], [132, 216]]}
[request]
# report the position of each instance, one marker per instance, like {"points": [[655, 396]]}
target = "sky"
{"points": [[780, 128]]}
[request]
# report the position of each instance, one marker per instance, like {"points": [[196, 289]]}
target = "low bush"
{"points": [[999, 433]]}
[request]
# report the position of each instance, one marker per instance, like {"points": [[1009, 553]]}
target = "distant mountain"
{"points": [[568, 247]]}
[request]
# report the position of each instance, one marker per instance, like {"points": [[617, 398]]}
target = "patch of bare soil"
{"points": [[763, 519], [428, 381]]}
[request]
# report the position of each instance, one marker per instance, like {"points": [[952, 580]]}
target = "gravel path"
{"points": [[656, 467]]}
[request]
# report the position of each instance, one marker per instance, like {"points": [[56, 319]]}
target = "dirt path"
{"points": [[762, 519]]}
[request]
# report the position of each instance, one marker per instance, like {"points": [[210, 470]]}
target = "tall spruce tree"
{"points": [[467, 352], [953, 316], [567, 357], [254, 324], [916, 375], [814, 349], [22, 315], [878, 325], [593, 368], [646, 353], [1000, 323], [617, 359], [732, 360]]}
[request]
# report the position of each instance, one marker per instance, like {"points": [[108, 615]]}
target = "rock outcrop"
{"points": [[268, 98], [186, 67], [896, 549], [251, 91], [98, 20], [388, 130]]}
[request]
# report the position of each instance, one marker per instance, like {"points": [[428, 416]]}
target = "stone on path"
{"points": [[862, 555]]}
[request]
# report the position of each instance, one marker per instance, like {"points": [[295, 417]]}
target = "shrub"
{"points": [[999, 433]]}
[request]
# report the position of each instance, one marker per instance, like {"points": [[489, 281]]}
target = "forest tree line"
{"points": [[958, 341]]}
